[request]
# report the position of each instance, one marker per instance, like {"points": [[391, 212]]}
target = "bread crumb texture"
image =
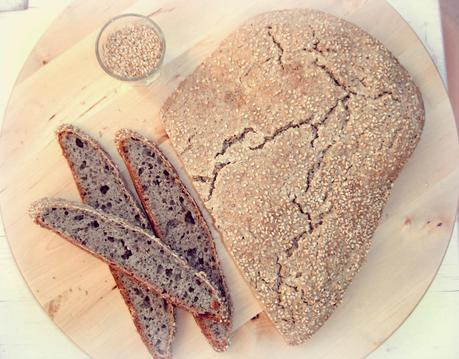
{"points": [[293, 131]]}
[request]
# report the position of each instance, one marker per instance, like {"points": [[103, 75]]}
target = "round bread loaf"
{"points": [[294, 131]]}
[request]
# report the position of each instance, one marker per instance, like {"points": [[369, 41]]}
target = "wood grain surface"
{"points": [[61, 82]]}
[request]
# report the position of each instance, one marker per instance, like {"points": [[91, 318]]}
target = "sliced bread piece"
{"points": [[177, 220], [131, 249], [101, 186], [153, 317]]}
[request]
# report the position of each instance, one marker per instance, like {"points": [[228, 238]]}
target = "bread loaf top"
{"points": [[293, 131]]}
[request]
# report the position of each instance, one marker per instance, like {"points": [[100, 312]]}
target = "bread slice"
{"points": [[101, 186], [131, 249], [153, 317], [177, 220]]}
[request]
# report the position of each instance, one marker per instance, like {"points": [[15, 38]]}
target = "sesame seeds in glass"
{"points": [[131, 47]]}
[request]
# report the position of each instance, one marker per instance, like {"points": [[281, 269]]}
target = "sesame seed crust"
{"points": [[293, 131]]}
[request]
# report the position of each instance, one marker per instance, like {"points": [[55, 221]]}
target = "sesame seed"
{"points": [[133, 51]]}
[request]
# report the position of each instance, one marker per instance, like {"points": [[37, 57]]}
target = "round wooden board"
{"points": [[62, 82]]}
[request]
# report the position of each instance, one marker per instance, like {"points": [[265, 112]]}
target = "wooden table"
{"points": [[37, 64]]}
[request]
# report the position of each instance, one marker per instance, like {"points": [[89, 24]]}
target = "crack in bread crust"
{"points": [[333, 118], [279, 131], [228, 142], [278, 46]]}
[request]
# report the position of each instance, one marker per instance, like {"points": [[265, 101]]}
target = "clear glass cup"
{"points": [[118, 23]]}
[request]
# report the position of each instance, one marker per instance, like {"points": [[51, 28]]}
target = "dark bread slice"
{"points": [[131, 249], [177, 220], [101, 186], [153, 317]]}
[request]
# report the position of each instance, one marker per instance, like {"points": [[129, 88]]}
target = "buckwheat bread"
{"points": [[153, 317], [132, 250], [177, 220], [294, 131], [101, 186]]}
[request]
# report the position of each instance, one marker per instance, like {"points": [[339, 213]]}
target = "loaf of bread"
{"points": [[101, 186], [294, 131], [132, 250], [177, 220]]}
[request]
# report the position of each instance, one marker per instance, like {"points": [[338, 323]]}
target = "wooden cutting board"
{"points": [[62, 82]]}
